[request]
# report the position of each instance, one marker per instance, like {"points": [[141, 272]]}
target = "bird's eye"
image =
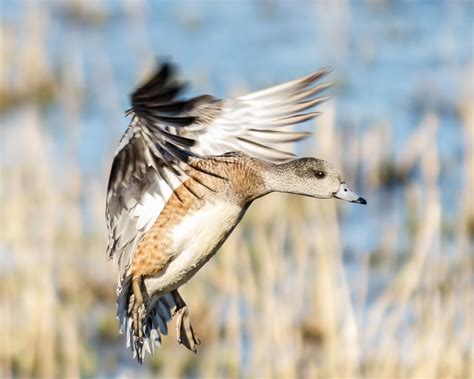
{"points": [[320, 174]]}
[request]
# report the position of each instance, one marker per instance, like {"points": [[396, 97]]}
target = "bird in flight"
{"points": [[184, 174]]}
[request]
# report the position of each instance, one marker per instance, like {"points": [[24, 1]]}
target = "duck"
{"points": [[184, 175]]}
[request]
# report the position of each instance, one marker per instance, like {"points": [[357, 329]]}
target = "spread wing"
{"points": [[165, 132]]}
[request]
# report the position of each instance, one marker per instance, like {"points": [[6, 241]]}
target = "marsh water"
{"points": [[392, 61]]}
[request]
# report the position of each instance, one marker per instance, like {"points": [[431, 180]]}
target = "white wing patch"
{"points": [[139, 216]]}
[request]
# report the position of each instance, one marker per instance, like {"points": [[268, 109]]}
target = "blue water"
{"points": [[392, 62]]}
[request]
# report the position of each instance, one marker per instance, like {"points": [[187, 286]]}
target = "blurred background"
{"points": [[303, 288]]}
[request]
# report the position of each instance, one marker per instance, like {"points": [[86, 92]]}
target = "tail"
{"points": [[157, 314]]}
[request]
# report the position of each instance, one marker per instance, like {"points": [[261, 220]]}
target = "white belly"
{"points": [[196, 240]]}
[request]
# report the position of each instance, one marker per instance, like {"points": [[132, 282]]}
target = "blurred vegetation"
{"points": [[284, 298]]}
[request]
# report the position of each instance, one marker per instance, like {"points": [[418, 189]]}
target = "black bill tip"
{"points": [[360, 200]]}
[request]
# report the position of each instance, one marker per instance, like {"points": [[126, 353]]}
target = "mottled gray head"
{"points": [[311, 177]]}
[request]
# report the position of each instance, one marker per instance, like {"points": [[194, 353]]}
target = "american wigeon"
{"points": [[183, 177]]}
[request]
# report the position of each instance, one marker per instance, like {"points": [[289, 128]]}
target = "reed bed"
{"points": [[285, 297], [277, 301]]}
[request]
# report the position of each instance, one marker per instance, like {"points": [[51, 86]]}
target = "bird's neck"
{"points": [[282, 178]]}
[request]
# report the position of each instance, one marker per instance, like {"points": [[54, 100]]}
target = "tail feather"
{"points": [[158, 313]]}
